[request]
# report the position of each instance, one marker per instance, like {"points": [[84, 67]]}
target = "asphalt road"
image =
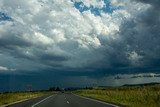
{"points": [[62, 100]]}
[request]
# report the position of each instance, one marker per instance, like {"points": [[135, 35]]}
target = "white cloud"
{"points": [[135, 58], [3, 68], [39, 38]]}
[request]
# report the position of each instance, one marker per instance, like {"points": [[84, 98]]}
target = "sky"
{"points": [[75, 43]]}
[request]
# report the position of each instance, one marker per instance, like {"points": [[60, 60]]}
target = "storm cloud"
{"points": [[56, 35]]}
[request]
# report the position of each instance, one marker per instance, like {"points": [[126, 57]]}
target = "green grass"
{"points": [[6, 98], [135, 96]]}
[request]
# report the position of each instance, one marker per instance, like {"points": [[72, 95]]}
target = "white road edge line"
{"points": [[97, 101], [41, 101]]}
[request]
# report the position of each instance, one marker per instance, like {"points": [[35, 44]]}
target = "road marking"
{"points": [[67, 102], [42, 101], [97, 101]]}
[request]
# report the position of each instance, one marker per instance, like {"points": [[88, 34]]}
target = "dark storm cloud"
{"points": [[152, 17], [54, 57], [8, 41], [138, 46], [82, 44], [142, 35], [152, 2]]}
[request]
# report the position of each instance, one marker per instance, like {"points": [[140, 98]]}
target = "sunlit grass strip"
{"points": [[7, 98], [145, 96]]}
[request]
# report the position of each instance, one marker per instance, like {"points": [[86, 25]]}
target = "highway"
{"points": [[63, 100]]}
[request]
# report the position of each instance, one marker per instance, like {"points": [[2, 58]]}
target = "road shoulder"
{"points": [[100, 101]]}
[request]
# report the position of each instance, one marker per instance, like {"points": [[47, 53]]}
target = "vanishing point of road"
{"points": [[63, 100]]}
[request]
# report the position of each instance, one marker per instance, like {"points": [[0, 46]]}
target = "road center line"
{"points": [[68, 102], [42, 101]]}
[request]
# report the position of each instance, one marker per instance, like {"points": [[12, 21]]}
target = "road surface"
{"points": [[62, 100]]}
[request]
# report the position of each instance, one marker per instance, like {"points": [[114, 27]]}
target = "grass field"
{"points": [[132, 96], [6, 98]]}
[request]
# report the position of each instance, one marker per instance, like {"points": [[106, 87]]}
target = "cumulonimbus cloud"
{"points": [[55, 34]]}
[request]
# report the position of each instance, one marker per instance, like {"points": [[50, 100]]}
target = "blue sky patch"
{"points": [[107, 8], [4, 17], [80, 6]]}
